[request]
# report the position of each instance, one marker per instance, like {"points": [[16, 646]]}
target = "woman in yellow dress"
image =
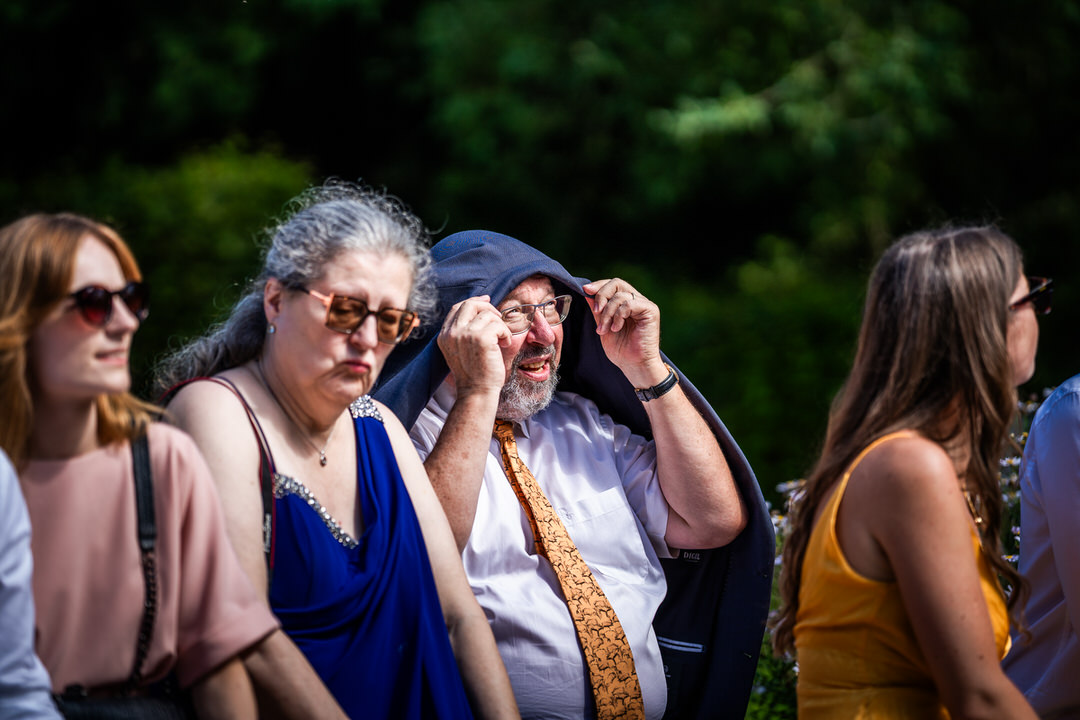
{"points": [[890, 593]]}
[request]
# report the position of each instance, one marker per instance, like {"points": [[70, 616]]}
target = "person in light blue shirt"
{"points": [[24, 683], [1046, 667]]}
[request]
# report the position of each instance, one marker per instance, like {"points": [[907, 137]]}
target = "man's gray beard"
{"points": [[522, 398]]}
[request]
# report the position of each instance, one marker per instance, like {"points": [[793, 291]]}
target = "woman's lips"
{"points": [[114, 357], [357, 367]]}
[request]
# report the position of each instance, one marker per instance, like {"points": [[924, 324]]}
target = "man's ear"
{"points": [[273, 294]]}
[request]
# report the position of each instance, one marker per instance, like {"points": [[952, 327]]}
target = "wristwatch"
{"points": [[651, 393]]}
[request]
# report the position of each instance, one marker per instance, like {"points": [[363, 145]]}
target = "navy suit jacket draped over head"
{"points": [[710, 625]]}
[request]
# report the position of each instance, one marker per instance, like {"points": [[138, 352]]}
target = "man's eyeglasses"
{"points": [[1042, 292], [520, 317], [344, 314], [95, 303]]}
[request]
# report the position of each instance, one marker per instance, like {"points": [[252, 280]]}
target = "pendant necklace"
{"points": [[322, 453]]}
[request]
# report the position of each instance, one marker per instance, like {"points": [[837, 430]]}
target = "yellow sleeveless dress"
{"points": [[858, 656]]}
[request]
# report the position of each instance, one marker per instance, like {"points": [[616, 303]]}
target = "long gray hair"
{"points": [[320, 224]]}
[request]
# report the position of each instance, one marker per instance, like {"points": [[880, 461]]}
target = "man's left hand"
{"points": [[629, 327]]}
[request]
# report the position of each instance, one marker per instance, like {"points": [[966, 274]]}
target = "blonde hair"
{"points": [[37, 261]]}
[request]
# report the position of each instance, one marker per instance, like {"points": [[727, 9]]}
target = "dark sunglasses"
{"points": [[344, 314], [96, 303], [1042, 292]]}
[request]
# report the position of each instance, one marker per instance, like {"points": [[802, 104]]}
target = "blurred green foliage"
{"points": [[770, 349], [742, 162], [745, 162]]}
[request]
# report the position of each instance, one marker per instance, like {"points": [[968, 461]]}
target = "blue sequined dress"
{"points": [[364, 611]]}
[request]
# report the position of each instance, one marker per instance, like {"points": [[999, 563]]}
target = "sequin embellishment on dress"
{"points": [[284, 485]]}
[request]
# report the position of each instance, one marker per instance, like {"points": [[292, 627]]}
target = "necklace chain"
{"points": [[322, 453]]}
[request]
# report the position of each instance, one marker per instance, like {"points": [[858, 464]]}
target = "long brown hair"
{"points": [[932, 343], [37, 261]]}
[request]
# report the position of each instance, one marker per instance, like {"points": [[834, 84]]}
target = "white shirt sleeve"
{"points": [[425, 431], [635, 458]]}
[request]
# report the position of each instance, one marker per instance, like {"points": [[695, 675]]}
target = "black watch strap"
{"points": [[651, 393]]}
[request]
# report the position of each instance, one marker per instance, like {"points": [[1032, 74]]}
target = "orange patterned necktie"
{"points": [[607, 652]]}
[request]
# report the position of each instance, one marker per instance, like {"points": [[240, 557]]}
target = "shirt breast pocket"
{"points": [[607, 534]]}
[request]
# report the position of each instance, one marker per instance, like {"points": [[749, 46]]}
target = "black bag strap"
{"points": [[146, 528], [163, 699], [144, 493], [267, 470]]}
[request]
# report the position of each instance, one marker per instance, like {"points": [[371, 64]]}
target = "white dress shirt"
{"points": [[1047, 669], [601, 479]]}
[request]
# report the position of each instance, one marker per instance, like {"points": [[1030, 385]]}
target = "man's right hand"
{"points": [[471, 340]]}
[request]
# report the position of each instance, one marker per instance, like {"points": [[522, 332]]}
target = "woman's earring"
{"points": [[270, 329]]}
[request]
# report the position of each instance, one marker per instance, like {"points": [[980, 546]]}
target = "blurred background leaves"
{"points": [[741, 162]]}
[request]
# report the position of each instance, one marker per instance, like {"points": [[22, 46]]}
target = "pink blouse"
{"points": [[88, 580]]}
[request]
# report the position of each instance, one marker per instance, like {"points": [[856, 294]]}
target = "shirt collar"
{"points": [[446, 395]]}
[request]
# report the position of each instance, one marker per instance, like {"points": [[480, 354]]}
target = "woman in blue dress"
{"points": [[352, 547]]}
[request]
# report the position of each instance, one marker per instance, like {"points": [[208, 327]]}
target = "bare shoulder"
{"points": [[905, 467], [408, 461], [399, 436], [388, 417], [906, 490], [204, 400], [215, 418]]}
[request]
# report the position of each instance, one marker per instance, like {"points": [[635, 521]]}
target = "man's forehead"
{"points": [[537, 288]]}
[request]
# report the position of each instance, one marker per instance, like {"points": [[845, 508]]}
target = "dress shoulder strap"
{"points": [[879, 441], [833, 500], [823, 535], [267, 469]]}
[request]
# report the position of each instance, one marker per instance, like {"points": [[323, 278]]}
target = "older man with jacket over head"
{"points": [[581, 480]]}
